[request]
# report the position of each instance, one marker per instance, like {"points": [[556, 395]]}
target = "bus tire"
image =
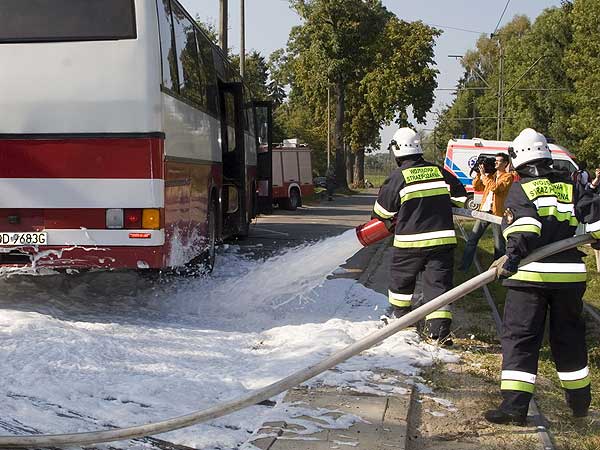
{"points": [[470, 203]]}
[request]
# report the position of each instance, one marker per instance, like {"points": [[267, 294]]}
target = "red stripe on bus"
{"points": [[82, 158]]}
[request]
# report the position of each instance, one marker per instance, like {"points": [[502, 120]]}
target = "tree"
{"points": [[330, 48], [583, 67], [525, 105]]}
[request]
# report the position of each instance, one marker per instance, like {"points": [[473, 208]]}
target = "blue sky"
{"points": [[268, 23]]}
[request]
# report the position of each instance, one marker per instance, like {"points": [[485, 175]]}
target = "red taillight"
{"points": [[140, 235], [133, 218]]}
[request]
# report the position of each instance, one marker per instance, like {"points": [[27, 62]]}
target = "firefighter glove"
{"points": [[505, 267]]}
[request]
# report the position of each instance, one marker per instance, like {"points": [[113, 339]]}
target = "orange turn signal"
{"points": [[151, 219]]}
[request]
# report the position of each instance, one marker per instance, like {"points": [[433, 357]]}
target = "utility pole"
{"points": [[328, 126], [500, 93], [223, 26], [242, 38]]}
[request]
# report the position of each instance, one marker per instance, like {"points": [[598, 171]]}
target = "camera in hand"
{"points": [[489, 164]]}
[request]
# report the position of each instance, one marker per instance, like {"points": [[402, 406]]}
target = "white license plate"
{"points": [[24, 239]]}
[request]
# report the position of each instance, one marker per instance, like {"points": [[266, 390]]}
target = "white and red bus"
{"points": [[126, 138]]}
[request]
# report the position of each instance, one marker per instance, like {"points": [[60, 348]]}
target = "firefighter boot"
{"points": [[439, 330], [504, 417], [579, 401], [396, 312]]}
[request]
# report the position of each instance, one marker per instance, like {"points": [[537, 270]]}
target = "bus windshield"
{"points": [[66, 20]]}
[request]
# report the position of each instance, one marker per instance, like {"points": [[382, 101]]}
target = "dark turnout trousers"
{"points": [[436, 267], [525, 314]]}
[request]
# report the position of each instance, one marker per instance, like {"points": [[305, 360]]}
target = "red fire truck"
{"points": [[127, 140], [292, 174]]}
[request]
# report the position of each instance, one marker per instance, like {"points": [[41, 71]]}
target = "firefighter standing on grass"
{"points": [[541, 208], [417, 194]]}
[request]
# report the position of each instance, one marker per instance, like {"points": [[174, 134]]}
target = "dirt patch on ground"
{"points": [[450, 417]]}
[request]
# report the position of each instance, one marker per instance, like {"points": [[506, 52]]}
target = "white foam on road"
{"points": [[90, 352]]}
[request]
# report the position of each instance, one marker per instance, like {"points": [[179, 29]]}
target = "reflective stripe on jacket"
{"points": [[540, 211], [421, 195]]}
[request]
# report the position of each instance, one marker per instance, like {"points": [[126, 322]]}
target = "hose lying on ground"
{"points": [[259, 395]]}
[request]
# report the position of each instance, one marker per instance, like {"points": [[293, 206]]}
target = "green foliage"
{"points": [[374, 65], [557, 95], [583, 66]]}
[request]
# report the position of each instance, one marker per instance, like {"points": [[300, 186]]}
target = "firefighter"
{"points": [[418, 194], [541, 208]]}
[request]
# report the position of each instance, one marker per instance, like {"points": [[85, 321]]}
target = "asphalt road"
{"points": [[321, 219]]}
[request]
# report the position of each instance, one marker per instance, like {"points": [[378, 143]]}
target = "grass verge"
{"points": [[475, 331]]}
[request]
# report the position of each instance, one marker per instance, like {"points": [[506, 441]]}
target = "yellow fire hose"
{"points": [[259, 395]]}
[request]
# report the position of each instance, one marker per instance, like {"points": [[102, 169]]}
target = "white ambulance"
{"points": [[462, 154]]}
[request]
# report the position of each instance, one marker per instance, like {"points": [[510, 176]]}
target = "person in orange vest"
{"points": [[495, 188]]}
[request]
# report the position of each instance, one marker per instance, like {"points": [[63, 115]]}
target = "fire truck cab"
{"points": [[462, 154]]}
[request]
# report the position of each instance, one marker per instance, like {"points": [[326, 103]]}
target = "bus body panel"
{"points": [[93, 129], [84, 87]]}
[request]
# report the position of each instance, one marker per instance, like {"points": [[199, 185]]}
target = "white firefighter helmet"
{"points": [[406, 142], [528, 146]]}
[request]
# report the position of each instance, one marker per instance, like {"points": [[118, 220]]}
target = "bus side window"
{"points": [[207, 66], [190, 82], [169, 63]]}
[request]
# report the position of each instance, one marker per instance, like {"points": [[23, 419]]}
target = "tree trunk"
{"points": [[350, 159], [340, 166], [359, 168]]}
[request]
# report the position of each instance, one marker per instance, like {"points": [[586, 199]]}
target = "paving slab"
{"points": [[382, 424]]}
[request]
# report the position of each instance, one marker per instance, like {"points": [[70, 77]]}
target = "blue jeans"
{"points": [[471, 245]]}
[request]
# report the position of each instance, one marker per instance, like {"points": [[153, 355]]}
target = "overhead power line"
{"points": [[501, 16], [455, 28]]}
